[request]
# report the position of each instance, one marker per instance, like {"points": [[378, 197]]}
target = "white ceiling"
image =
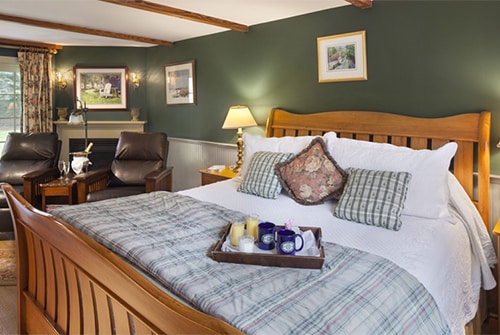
{"points": [[110, 17]]}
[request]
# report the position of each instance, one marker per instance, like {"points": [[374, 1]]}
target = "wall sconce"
{"points": [[135, 79], [61, 81]]}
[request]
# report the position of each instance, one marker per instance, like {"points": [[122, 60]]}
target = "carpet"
{"points": [[7, 263]]}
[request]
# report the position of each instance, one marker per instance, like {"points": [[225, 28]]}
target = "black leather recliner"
{"points": [[28, 159], [139, 166]]}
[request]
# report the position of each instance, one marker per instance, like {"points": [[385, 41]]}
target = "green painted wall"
{"points": [[8, 52], [425, 58]]}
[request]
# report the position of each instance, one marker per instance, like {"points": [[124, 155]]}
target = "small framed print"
{"points": [[180, 83], [342, 57]]}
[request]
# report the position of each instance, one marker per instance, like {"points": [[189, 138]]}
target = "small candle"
{"points": [[246, 243], [252, 226], [237, 230]]}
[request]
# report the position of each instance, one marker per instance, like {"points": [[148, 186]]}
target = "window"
{"points": [[10, 97]]}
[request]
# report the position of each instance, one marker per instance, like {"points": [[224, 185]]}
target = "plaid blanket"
{"points": [[169, 235]]}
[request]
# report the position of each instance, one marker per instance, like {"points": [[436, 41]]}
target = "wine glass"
{"points": [[61, 167], [66, 169]]}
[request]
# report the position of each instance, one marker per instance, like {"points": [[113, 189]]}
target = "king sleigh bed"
{"points": [[143, 264]]}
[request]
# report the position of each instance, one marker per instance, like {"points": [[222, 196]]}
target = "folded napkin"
{"points": [[310, 245], [78, 163]]}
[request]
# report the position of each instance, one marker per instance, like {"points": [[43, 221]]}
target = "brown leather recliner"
{"points": [[139, 166], [28, 159]]}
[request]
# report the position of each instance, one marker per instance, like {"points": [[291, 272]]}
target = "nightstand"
{"points": [[208, 177]]}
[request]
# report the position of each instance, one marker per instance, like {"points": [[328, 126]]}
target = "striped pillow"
{"points": [[260, 179], [374, 197]]}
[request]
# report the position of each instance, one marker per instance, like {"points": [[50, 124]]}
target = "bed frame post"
{"points": [[483, 167]]}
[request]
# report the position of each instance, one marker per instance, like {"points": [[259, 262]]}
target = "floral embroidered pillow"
{"points": [[312, 176]]}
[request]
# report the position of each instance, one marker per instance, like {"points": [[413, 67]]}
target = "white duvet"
{"points": [[450, 258]]}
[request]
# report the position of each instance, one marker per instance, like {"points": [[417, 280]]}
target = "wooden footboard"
{"points": [[70, 284]]}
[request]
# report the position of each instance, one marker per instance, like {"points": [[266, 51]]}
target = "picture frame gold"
{"points": [[342, 57], [180, 83]]}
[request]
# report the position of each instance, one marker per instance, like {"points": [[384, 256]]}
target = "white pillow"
{"points": [[255, 143], [428, 191]]}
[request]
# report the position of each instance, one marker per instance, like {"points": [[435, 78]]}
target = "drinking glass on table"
{"points": [[60, 166], [66, 169]]}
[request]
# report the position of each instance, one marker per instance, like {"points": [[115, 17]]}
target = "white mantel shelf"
{"points": [[65, 123], [95, 129]]}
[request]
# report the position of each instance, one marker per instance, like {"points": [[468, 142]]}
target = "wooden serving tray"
{"points": [[268, 259]]}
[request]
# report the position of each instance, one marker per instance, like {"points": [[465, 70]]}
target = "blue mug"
{"points": [[286, 242], [266, 235]]}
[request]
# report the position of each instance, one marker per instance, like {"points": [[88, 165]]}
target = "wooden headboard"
{"points": [[471, 131]]}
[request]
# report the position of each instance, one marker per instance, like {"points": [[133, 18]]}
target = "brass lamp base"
{"points": [[239, 145]]}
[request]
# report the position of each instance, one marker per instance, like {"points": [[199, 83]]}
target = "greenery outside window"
{"points": [[10, 97]]}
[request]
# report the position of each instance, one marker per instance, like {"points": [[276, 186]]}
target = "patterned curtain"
{"points": [[36, 69]]}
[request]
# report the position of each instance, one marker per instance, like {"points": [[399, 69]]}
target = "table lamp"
{"points": [[239, 117]]}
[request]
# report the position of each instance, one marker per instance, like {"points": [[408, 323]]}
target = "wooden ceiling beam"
{"points": [[179, 13], [22, 43], [82, 30]]}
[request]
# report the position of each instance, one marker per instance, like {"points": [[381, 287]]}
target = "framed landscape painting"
{"points": [[102, 88], [342, 57], [180, 83]]}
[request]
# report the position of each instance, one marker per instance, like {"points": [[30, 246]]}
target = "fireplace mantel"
{"points": [[95, 129]]}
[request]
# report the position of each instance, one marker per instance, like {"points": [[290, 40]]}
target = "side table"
{"points": [[209, 177], [58, 188]]}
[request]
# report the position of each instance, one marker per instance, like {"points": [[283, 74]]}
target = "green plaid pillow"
{"points": [[374, 197], [260, 178]]}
